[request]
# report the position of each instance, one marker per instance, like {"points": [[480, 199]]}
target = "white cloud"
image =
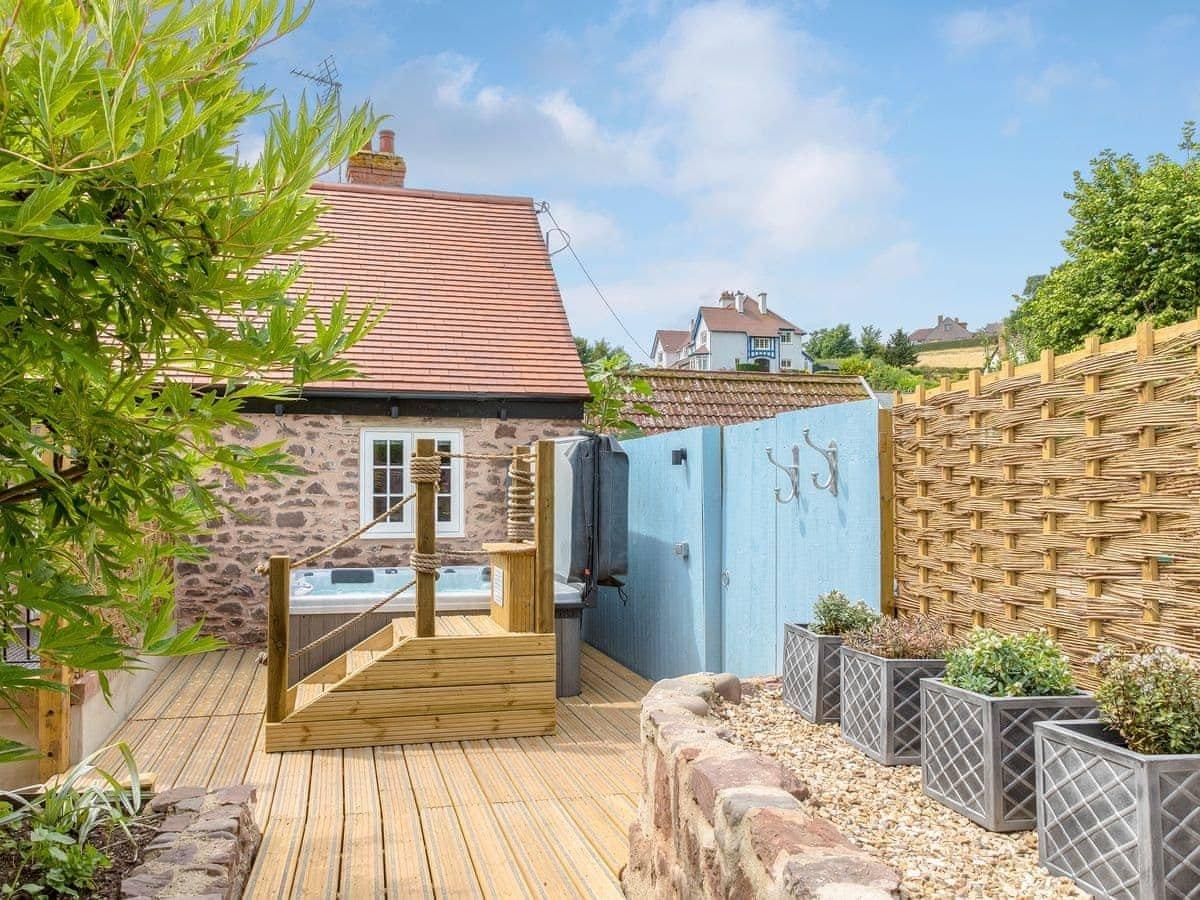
{"points": [[457, 131], [1056, 77], [1011, 126], [972, 29], [755, 141]]}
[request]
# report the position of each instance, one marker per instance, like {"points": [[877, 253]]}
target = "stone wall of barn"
{"points": [[303, 513]]}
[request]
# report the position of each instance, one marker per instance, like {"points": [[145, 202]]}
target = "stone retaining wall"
{"points": [[204, 848], [719, 821]]}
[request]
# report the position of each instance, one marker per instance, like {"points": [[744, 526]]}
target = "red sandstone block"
{"points": [[712, 774]]}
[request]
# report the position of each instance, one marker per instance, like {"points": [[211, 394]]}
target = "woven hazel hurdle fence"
{"points": [[1063, 494]]}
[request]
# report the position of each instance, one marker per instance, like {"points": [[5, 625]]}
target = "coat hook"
{"points": [[792, 472], [831, 459]]}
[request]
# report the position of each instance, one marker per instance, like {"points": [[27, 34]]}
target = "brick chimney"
{"points": [[380, 166]]}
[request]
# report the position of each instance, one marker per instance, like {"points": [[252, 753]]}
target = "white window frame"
{"points": [[785, 364], [366, 482], [760, 343], [785, 337]]}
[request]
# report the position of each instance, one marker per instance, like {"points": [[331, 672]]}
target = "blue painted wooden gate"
{"points": [[777, 558]]}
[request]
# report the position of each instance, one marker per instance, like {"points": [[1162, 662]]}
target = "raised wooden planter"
{"points": [[977, 752], [812, 673], [881, 705], [1118, 823]]}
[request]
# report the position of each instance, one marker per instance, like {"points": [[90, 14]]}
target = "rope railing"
{"points": [[261, 568], [350, 622]]}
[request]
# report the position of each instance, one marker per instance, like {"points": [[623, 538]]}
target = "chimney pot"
{"points": [[741, 302], [762, 301], [387, 141]]}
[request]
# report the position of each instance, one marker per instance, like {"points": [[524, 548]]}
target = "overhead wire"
{"points": [[544, 207]]}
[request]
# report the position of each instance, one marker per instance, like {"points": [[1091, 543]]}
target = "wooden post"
{"points": [[887, 515], [279, 586], [426, 544], [543, 526], [54, 725]]}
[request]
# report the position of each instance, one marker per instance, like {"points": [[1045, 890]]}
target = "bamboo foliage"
{"points": [[1063, 494]]}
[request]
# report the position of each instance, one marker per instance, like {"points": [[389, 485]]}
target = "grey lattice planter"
{"points": [[1120, 824], [977, 753], [812, 682], [881, 705]]}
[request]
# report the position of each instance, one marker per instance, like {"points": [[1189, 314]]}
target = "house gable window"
{"points": [[385, 477], [785, 337], [760, 343]]}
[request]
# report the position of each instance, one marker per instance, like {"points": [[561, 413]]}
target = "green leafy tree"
{"points": [[590, 351], [618, 391], [832, 343], [137, 315], [870, 341], [1133, 252], [900, 350]]}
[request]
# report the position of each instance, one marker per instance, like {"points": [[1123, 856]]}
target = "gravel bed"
{"points": [[939, 853]]}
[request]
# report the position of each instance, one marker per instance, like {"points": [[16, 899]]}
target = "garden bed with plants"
{"points": [[939, 853], [79, 838]]}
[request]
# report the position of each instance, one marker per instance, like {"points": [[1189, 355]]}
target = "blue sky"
{"points": [[870, 163]]}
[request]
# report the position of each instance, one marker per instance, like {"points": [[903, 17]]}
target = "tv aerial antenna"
{"points": [[327, 78]]}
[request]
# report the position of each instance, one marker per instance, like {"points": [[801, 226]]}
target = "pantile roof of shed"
{"points": [[685, 398]]}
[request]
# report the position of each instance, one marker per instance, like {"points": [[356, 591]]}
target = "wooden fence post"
{"points": [[426, 544], [54, 725], [543, 523], [279, 586], [887, 515]]}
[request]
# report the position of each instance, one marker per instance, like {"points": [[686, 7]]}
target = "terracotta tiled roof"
{"points": [[751, 321], [672, 341], [473, 307], [684, 398]]}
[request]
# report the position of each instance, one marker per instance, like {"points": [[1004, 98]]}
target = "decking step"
{"points": [[307, 692], [356, 659]]}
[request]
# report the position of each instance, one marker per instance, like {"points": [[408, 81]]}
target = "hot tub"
{"points": [[323, 599]]}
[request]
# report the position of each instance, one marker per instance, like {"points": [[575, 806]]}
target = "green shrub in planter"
{"points": [[833, 613], [812, 680], [1117, 798], [1151, 699], [1010, 665], [977, 724]]}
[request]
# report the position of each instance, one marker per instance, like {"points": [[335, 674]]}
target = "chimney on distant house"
{"points": [[740, 302], [941, 319], [762, 302], [380, 166], [727, 300]]}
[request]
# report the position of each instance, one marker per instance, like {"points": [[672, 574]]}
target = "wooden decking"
{"points": [[511, 817]]}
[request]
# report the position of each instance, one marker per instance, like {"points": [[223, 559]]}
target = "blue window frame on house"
{"points": [[761, 347]]}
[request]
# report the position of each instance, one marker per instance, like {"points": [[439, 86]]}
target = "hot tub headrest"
{"points": [[351, 576]]}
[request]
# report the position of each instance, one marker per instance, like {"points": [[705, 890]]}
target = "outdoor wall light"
{"points": [[278, 409], [679, 457], [395, 410]]}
